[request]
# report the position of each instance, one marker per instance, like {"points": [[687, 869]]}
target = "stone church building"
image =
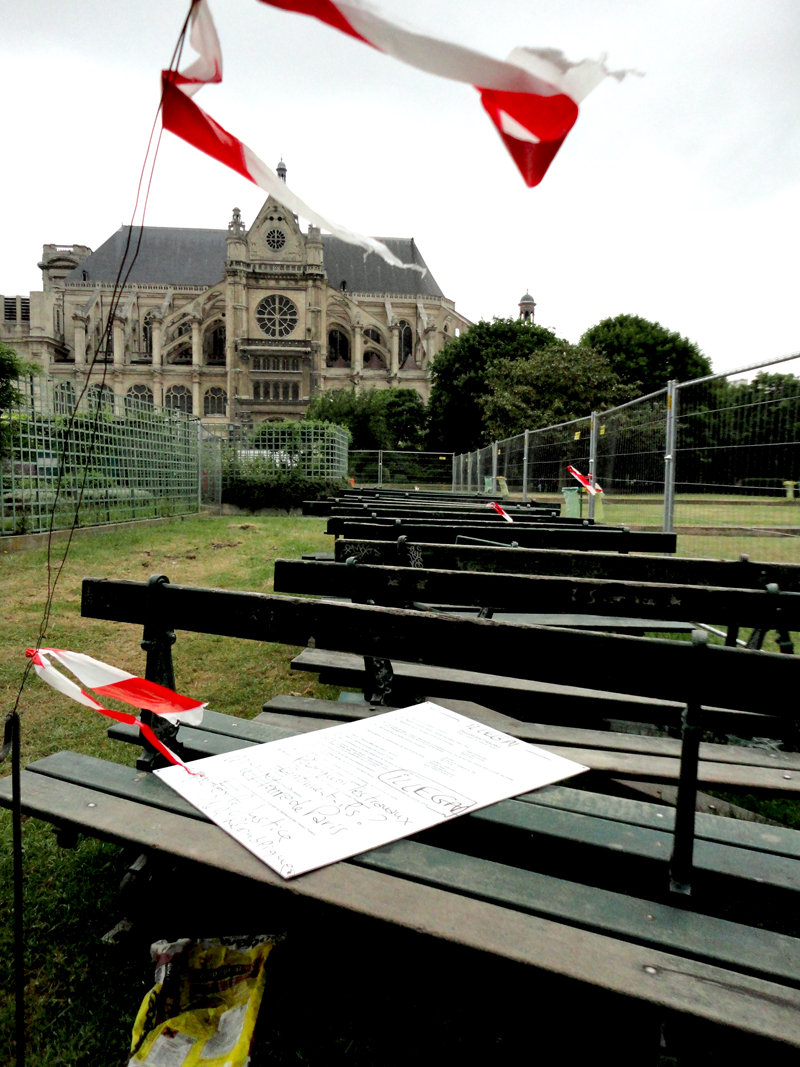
{"points": [[239, 325]]}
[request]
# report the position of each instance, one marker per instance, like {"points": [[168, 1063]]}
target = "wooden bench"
{"points": [[743, 573], [379, 505], [563, 880], [493, 592], [582, 537]]}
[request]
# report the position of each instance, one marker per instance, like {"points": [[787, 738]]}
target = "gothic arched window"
{"points": [[101, 396], [406, 341], [178, 398], [338, 349], [138, 395], [214, 345], [147, 334], [374, 360], [214, 401], [295, 391], [64, 398], [371, 334]]}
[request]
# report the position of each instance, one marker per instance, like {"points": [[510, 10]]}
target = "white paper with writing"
{"points": [[306, 801]]}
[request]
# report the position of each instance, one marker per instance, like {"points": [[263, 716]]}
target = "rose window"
{"points": [[275, 239], [276, 315]]}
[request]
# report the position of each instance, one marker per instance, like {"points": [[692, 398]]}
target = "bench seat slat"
{"points": [[548, 702], [760, 862], [748, 949], [540, 733]]}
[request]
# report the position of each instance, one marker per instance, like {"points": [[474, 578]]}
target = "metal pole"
{"points": [[593, 460], [453, 471], [380, 468], [525, 470], [670, 456], [199, 467], [494, 468]]}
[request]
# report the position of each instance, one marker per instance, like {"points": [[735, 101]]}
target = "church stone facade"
{"points": [[238, 325]]}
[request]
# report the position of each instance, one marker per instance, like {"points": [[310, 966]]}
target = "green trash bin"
{"points": [[572, 501]]}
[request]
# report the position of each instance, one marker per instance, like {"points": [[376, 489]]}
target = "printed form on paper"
{"points": [[306, 801]]}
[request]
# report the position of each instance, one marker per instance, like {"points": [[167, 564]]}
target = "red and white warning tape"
{"points": [[585, 482], [500, 511], [532, 97], [119, 685]]}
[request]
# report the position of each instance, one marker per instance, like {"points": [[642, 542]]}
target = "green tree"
{"points": [[646, 354], [376, 418], [12, 367], [554, 385], [456, 411], [363, 414], [406, 418]]}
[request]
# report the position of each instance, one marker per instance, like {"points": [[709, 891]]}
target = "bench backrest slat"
{"points": [[403, 586], [672, 670], [739, 574]]}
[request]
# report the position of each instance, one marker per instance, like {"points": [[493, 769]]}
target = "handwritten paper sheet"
{"points": [[306, 801]]}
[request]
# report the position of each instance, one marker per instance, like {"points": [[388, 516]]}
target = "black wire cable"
{"points": [[11, 736]]}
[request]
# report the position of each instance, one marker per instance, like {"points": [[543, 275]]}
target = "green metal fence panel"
{"points": [[312, 450], [108, 458]]}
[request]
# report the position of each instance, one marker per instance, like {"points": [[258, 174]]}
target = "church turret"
{"points": [[527, 306], [237, 237], [280, 170]]}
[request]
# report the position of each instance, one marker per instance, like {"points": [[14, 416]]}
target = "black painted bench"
{"points": [[495, 592], [580, 537], [563, 880], [743, 573]]}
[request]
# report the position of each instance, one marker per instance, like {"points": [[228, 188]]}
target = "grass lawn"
{"points": [[82, 994]]}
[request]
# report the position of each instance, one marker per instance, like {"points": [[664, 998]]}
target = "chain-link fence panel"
{"points": [[401, 469], [629, 465], [738, 452], [110, 458]]}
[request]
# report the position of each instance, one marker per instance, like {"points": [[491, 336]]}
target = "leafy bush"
{"points": [[282, 490]]}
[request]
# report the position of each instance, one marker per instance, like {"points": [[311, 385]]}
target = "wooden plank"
{"points": [[573, 538], [539, 733], [645, 973], [554, 702], [705, 937], [777, 841], [538, 593], [667, 670], [738, 574]]}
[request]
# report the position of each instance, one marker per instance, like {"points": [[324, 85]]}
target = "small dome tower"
{"points": [[527, 306], [280, 170]]}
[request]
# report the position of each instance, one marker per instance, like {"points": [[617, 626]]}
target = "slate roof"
{"points": [[174, 256], [346, 262], [167, 256]]}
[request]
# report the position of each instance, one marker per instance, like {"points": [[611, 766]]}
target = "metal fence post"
{"points": [[593, 433], [380, 468], [453, 472], [199, 466], [494, 468], [525, 469], [670, 456]]}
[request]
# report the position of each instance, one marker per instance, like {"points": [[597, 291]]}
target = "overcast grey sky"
{"points": [[675, 196]]}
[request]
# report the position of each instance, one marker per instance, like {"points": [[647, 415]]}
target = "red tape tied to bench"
{"points": [[500, 511], [585, 482], [112, 682], [532, 97]]}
